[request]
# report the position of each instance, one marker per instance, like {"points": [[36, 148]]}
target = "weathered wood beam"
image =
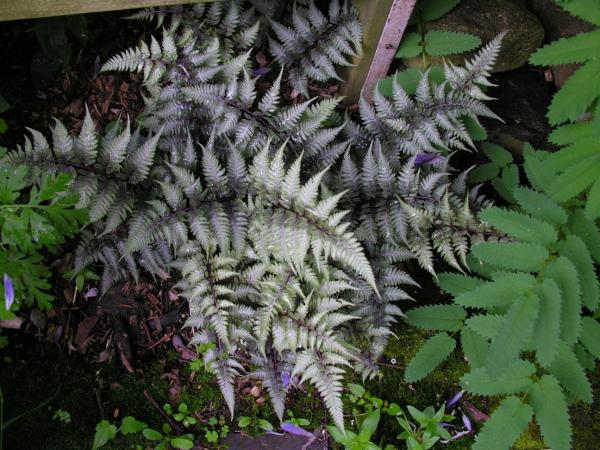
{"points": [[32, 9], [384, 22]]}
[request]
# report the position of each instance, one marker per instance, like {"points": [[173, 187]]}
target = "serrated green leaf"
{"points": [[410, 46], [573, 248], [486, 325], [507, 182], [575, 179], [575, 49], [568, 156], [437, 317], [587, 231], [570, 102], [511, 255], [474, 128], [504, 426], [516, 330], [517, 378], [456, 284], [497, 154], [500, 292], [590, 336], [571, 133], [592, 206], [588, 10], [474, 346], [570, 374], [484, 172], [540, 206], [520, 226], [429, 356], [585, 358], [434, 9], [409, 79], [551, 412], [546, 334], [537, 173], [443, 43], [563, 272]]}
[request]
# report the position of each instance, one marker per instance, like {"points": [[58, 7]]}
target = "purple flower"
{"points": [[90, 293], [423, 159], [260, 71], [285, 379], [467, 422], [295, 430], [454, 400], [9, 292]]}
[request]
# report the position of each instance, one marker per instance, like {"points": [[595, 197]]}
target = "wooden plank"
{"points": [[384, 22], [31, 9]]}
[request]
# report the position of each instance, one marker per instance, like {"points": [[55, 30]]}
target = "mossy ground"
{"points": [[31, 373]]}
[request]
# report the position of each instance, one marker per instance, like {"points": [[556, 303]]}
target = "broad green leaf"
{"points": [[244, 421], [429, 356], [130, 425], [563, 272], [437, 317], [585, 358], [574, 249], [516, 378], [551, 412], [182, 443], [520, 226], [265, 425], [570, 102], [504, 426], [369, 425], [546, 333], [575, 49], [443, 43], [570, 374], [152, 435], [356, 389], [590, 336], [592, 207], [511, 255], [434, 9], [587, 231], [486, 325], [105, 431], [475, 347], [513, 335], [501, 292], [410, 46], [456, 284], [497, 154], [540, 206]]}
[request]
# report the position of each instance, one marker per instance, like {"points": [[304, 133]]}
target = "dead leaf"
{"points": [[82, 336]]}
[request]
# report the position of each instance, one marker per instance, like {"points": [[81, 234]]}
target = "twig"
{"points": [[164, 414]]}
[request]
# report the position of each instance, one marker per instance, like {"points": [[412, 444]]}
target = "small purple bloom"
{"points": [[295, 430], [467, 422], [9, 292], [423, 159], [90, 293], [285, 379], [261, 71], [454, 400]]}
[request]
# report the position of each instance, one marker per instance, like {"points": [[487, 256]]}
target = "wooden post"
{"points": [[31, 9], [384, 22]]}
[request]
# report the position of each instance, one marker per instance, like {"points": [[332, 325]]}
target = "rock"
{"points": [[486, 20], [558, 23]]}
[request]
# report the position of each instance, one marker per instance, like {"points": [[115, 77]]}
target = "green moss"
{"points": [[531, 439]]}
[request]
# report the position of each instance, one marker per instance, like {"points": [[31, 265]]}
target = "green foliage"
{"points": [[538, 290], [34, 218], [428, 428], [433, 353], [420, 42], [573, 169]]}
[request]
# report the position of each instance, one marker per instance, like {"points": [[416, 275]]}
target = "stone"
{"points": [[487, 19]]}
